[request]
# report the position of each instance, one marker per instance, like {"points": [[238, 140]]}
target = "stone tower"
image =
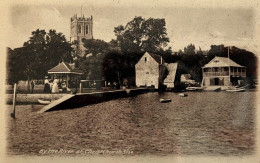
{"points": [[81, 27]]}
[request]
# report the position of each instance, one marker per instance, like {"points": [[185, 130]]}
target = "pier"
{"points": [[74, 101]]}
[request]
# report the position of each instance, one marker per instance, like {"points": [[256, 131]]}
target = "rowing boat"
{"points": [[44, 102], [183, 94], [194, 88], [164, 100], [236, 90]]}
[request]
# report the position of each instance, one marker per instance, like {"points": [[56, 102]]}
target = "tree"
{"points": [[192, 61], [91, 63], [113, 66], [95, 46], [14, 66], [39, 54], [140, 35]]}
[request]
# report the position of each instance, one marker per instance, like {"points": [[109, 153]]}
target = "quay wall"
{"points": [[79, 99], [31, 98]]}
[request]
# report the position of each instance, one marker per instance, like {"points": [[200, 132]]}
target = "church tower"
{"points": [[81, 27]]}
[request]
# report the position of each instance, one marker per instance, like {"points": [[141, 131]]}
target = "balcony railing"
{"points": [[225, 73]]}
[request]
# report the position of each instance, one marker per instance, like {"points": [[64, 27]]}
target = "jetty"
{"points": [[82, 99]]}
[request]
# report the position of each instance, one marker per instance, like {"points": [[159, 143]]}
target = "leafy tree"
{"points": [[95, 46], [14, 66], [140, 35], [113, 66], [39, 54], [91, 63], [192, 61]]}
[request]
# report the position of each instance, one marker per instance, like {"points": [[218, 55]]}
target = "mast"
{"points": [[229, 67]]}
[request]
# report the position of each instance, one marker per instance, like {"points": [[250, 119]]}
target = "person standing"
{"points": [[32, 86], [47, 88], [55, 87]]}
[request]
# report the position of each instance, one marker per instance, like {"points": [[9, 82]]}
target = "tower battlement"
{"points": [[81, 27], [76, 18]]}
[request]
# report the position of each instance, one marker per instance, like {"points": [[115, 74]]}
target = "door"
{"points": [[216, 81]]}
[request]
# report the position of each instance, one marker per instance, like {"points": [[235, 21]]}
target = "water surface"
{"points": [[203, 123]]}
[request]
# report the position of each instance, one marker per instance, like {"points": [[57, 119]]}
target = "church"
{"points": [[80, 27]]}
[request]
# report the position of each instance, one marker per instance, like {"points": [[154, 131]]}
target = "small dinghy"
{"points": [[164, 100], [183, 94], [194, 88], [44, 102], [236, 90]]}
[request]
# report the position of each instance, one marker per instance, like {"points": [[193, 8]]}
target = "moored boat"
{"points": [[183, 94], [236, 90], [194, 88], [164, 100], [44, 102]]}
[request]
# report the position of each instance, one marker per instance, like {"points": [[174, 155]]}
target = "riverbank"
{"points": [[96, 95]]}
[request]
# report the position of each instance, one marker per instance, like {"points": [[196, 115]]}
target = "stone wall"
{"points": [[147, 72]]}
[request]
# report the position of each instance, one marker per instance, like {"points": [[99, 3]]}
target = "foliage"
{"points": [[39, 54], [140, 35]]}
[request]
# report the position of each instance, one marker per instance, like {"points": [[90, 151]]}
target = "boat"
{"points": [[183, 94], [194, 88], [164, 100], [44, 102], [236, 90]]}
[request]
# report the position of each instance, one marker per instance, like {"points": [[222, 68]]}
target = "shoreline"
{"points": [[33, 98]]}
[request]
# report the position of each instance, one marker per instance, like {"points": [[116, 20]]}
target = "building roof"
{"points": [[172, 68], [157, 58], [222, 62], [65, 67], [186, 76]]}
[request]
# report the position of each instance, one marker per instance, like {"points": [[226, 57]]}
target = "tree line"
{"points": [[114, 61]]}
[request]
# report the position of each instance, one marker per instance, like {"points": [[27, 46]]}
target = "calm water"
{"points": [[203, 123]]}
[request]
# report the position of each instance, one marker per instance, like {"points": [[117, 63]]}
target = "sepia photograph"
{"points": [[116, 80]]}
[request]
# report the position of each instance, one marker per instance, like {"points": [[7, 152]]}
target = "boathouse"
{"points": [[147, 70], [66, 72], [222, 71], [152, 70]]}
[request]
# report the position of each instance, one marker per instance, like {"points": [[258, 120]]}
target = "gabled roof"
{"points": [[157, 58], [64, 67], [186, 76], [222, 62], [172, 68]]}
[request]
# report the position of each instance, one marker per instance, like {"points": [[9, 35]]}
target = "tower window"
{"points": [[86, 29], [145, 59], [79, 29]]}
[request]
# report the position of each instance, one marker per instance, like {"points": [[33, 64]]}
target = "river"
{"points": [[203, 123]]}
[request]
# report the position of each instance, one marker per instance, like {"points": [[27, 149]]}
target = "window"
{"points": [[145, 59], [79, 28], [86, 29]]}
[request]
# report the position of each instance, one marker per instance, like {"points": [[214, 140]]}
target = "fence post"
{"points": [[80, 87], [14, 100]]}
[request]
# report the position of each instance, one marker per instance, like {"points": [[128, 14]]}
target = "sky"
{"points": [[201, 25]]}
